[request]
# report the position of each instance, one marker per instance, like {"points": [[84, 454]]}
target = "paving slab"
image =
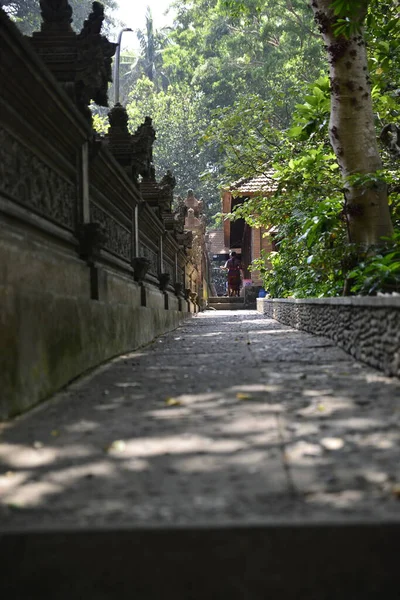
{"points": [[230, 418]]}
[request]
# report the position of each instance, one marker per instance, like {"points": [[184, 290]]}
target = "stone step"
{"points": [[225, 303], [277, 561], [225, 299], [226, 306]]}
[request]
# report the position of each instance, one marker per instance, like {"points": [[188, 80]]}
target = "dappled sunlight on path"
{"points": [[228, 418]]}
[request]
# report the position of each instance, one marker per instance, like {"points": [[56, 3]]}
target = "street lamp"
{"points": [[116, 64]]}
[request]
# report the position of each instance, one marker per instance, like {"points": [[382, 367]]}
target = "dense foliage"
{"points": [[225, 63], [314, 258], [178, 117]]}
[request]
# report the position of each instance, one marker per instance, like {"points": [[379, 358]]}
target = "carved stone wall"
{"points": [[169, 268], [25, 178], [71, 224], [117, 238], [152, 256]]}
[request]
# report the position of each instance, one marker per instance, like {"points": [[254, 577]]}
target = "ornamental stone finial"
{"points": [[94, 22], [81, 63], [56, 13]]}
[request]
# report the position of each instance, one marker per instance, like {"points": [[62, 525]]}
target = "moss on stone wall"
{"points": [[49, 340]]}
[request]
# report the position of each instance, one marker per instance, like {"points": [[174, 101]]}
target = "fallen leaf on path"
{"points": [[116, 446], [55, 433], [241, 396], [173, 402], [396, 491], [321, 407]]}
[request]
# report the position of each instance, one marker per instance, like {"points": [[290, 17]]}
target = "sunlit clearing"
{"points": [[154, 446], [358, 424], [31, 494], [304, 453], [377, 477], [17, 489], [344, 499], [324, 406], [131, 355], [316, 393], [256, 387], [273, 331], [375, 440], [11, 480], [19, 456], [216, 333], [252, 424]]}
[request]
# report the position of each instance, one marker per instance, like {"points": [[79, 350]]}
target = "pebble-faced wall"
{"points": [[367, 328]]}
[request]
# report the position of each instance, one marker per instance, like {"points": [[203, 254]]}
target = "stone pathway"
{"points": [[230, 418]]}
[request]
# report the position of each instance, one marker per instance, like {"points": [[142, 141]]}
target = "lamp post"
{"points": [[116, 64]]}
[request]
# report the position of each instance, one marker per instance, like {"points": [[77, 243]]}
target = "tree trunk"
{"points": [[351, 128]]}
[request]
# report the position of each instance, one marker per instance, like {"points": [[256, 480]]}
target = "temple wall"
{"points": [[69, 298]]}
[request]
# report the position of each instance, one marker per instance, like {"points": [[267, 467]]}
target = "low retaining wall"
{"points": [[51, 330], [368, 328], [51, 340]]}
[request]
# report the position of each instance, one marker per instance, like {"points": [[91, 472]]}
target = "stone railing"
{"points": [[366, 327], [89, 267]]}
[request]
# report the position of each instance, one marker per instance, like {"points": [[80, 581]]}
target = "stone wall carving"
{"points": [[118, 238], [28, 180], [152, 256], [170, 269]]}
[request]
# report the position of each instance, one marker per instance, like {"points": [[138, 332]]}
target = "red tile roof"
{"points": [[252, 185]]}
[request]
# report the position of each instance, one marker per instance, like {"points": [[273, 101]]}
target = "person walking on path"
{"points": [[233, 266]]}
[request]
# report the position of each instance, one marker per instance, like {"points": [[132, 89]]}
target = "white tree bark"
{"points": [[351, 127]]}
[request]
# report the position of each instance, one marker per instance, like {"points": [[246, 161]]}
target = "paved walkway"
{"points": [[230, 418]]}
